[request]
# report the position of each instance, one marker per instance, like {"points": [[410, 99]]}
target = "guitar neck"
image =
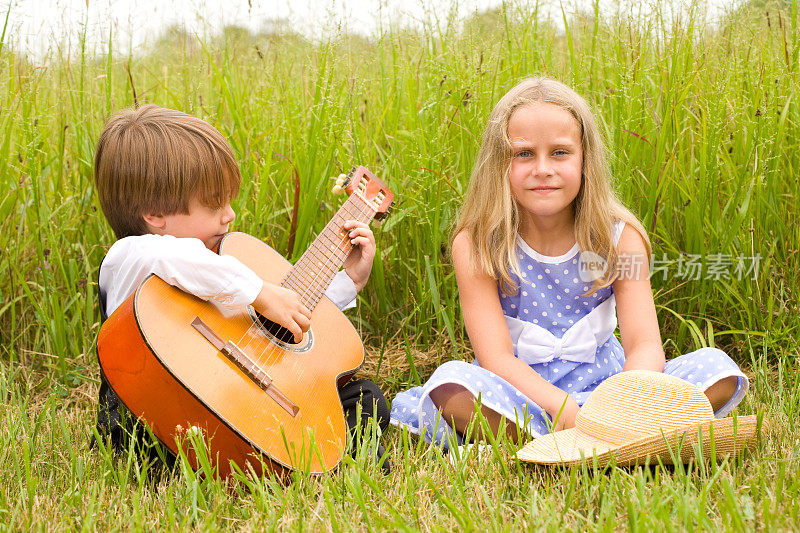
{"points": [[313, 273]]}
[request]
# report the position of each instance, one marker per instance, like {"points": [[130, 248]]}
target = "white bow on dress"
{"points": [[534, 344]]}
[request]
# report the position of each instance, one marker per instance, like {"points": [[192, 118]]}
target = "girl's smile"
{"points": [[547, 160]]}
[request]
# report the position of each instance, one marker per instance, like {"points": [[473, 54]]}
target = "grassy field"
{"points": [[703, 121]]}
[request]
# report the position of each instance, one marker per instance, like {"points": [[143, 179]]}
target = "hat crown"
{"points": [[641, 403]]}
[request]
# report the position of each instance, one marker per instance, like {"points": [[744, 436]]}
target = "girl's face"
{"points": [[547, 160]]}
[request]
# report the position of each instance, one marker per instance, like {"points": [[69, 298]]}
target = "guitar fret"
{"points": [[336, 247], [322, 262], [316, 268], [361, 214], [334, 236], [352, 215]]}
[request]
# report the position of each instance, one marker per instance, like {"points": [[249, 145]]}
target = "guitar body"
{"points": [[170, 376]]}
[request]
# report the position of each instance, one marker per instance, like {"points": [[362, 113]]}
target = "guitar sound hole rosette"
{"points": [[279, 335]]}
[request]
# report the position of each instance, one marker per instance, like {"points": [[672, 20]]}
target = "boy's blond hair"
{"points": [[490, 215], [154, 160]]}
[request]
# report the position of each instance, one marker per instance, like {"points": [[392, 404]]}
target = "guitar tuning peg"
{"points": [[337, 189], [340, 180]]}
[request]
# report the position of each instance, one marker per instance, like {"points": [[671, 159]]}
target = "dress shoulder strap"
{"points": [[619, 225]]}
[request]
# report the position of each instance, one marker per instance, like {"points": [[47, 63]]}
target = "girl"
{"points": [[547, 259]]}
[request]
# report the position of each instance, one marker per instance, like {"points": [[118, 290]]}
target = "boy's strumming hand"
{"points": [[358, 264], [284, 307]]}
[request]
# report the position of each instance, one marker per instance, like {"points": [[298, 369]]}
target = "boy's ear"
{"points": [[155, 221]]}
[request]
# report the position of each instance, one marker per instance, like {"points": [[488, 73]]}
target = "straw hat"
{"points": [[641, 414]]}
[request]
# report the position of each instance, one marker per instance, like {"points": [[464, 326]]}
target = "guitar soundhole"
{"points": [[276, 330], [280, 335]]}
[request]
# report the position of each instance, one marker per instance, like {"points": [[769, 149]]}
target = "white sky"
{"points": [[37, 26]]}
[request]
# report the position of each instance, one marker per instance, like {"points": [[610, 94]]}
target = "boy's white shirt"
{"points": [[187, 264]]}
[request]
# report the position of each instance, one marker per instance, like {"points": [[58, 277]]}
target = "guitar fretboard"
{"points": [[313, 273]]}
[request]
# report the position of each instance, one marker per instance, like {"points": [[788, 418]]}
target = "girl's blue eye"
{"points": [[524, 153]]}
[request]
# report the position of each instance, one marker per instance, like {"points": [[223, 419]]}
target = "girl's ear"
{"points": [[156, 222]]}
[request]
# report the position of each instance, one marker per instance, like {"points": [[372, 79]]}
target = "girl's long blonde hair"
{"points": [[490, 215]]}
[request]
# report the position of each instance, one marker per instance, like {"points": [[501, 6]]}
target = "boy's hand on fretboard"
{"points": [[358, 264]]}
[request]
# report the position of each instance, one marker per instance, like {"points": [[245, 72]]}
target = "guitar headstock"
{"points": [[370, 189]]}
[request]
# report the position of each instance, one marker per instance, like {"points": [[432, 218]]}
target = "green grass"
{"points": [[703, 122], [51, 477]]}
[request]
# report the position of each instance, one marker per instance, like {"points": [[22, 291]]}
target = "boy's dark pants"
{"points": [[116, 422], [369, 396]]}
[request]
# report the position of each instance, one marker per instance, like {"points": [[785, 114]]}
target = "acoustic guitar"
{"points": [[237, 380]]}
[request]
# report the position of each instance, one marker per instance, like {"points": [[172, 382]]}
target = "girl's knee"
{"points": [[722, 391], [455, 403], [449, 393]]}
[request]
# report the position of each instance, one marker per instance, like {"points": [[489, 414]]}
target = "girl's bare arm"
{"points": [[636, 311], [491, 341]]}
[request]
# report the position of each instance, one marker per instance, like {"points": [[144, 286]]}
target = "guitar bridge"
{"points": [[246, 365]]}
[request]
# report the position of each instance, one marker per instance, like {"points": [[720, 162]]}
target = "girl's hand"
{"points": [[284, 307], [358, 264], [564, 414]]}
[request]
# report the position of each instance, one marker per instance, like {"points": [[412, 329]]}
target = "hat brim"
{"points": [[727, 436]]}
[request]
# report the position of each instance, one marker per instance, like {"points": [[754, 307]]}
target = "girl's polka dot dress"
{"points": [[566, 337]]}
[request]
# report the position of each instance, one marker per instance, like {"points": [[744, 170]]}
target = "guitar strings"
{"points": [[365, 208], [314, 285], [307, 258], [308, 296], [348, 247], [304, 258], [343, 249], [271, 348]]}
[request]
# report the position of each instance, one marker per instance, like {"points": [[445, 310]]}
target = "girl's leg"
{"points": [[716, 374], [457, 406], [720, 392]]}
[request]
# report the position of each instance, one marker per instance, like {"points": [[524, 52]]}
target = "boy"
{"points": [[165, 180]]}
